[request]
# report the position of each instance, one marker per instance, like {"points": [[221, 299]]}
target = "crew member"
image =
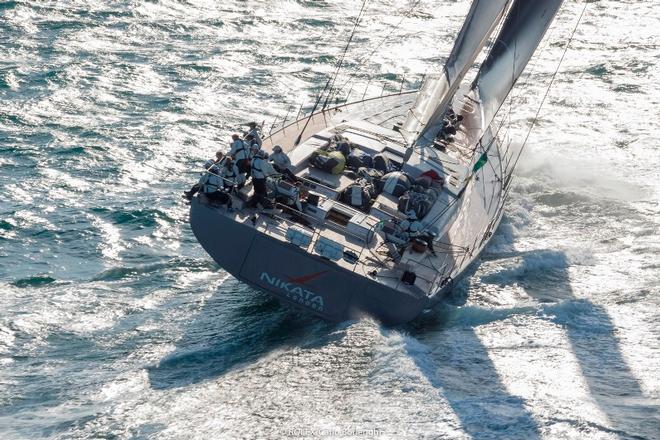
{"points": [[208, 166], [220, 158], [261, 169], [213, 188], [251, 142], [254, 132], [282, 163], [232, 178], [240, 153]]}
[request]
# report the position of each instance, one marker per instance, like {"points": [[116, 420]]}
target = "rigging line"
{"points": [[348, 43], [331, 80], [552, 80], [366, 58], [311, 114]]}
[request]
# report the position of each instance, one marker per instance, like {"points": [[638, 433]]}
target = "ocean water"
{"points": [[115, 324]]}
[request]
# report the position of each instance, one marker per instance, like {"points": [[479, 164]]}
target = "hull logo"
{"points": [[306, 278], [294, 290]]}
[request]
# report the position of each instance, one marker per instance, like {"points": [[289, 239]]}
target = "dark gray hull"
{"points": [[332, 291], [295, 276]]}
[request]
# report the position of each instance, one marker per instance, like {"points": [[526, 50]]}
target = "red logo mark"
{"points": [[306, 278]]}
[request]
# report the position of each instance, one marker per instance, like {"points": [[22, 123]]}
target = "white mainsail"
{"points": [[425, 118], [523, 30]]}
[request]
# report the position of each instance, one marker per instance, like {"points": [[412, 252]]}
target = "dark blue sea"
{"points": [[115, 324]]}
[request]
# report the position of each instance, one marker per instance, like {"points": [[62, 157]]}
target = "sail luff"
{"points": [[522, 32], [426, 115]]}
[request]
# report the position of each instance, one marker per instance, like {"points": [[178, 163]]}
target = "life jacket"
{"points": [[241, 151], [280, 159], [255, 134], [260, 168], [212, 184], [231, 176]]}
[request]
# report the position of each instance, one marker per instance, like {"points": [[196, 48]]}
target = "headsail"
{"points": [[426, 115], [523, 30]]}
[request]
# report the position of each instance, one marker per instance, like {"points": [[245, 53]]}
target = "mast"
{"points": [[425, 118]]}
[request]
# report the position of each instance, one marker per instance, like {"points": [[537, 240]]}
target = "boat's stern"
{"points": [[294, 275]]}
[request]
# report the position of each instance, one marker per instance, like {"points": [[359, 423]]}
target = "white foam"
{"points": [[111, 245]]}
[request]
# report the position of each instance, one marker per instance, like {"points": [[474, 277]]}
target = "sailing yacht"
{"points": [[386, 256]]}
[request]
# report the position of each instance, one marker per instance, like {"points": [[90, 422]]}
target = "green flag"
{"points": [[480, 163]]}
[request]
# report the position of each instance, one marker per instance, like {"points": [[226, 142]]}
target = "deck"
{"points": [[462, 218]]}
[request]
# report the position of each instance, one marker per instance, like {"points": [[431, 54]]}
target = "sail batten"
{"points": [[427, 113], [521, 33]]}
